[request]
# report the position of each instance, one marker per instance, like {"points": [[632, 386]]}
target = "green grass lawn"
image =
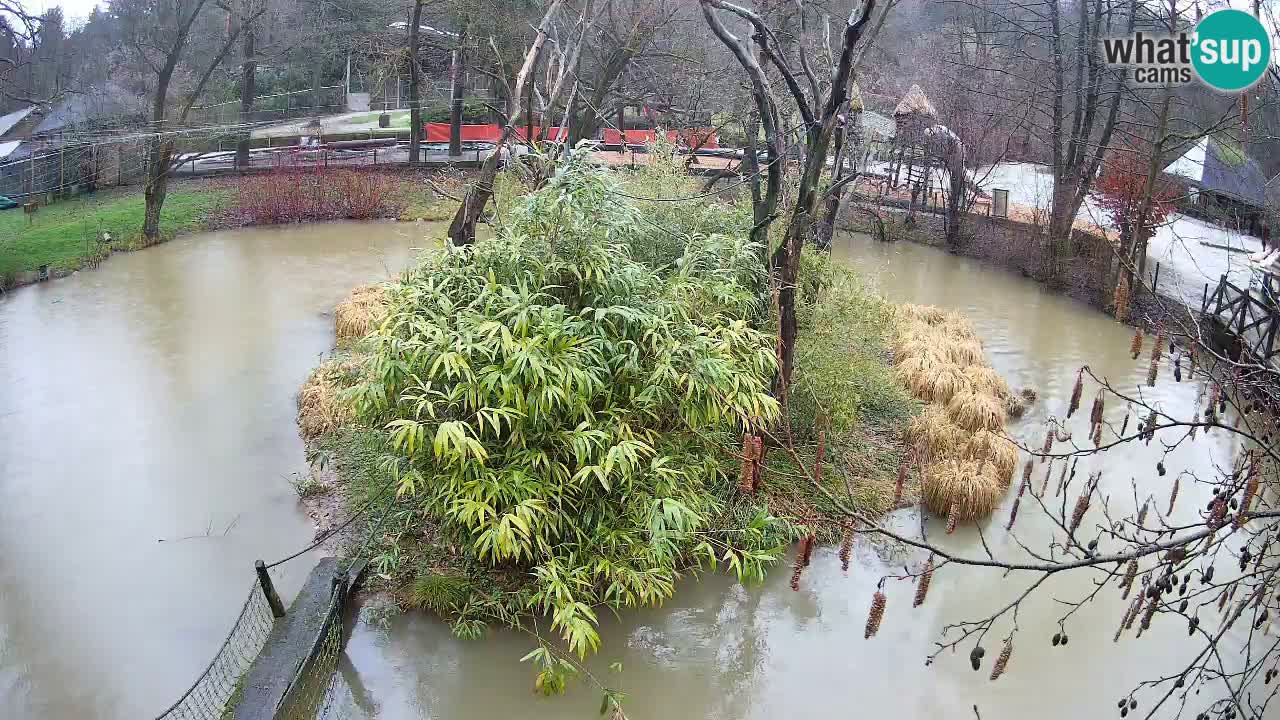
{"points": [[61, 234], [399, 119]]}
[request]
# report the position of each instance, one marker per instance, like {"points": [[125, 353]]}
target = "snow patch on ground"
{"points": [[1184, 247]]}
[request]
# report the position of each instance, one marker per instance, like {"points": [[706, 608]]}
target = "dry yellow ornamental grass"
{"points": [[976, 411], [320, 410], [959, 435], [359, 313], [995, 449], [968, 486], [933, 436]]}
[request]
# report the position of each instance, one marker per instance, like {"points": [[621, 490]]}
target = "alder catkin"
{"points": [[1135, 346], [1075, 393], [1153, 370], [1120, 298], [1126, 621], [1002, 662], [1026, 477], [922, 586], [1149, 613], [1130, 574], [1097, 435], [875, 615], [1082, 507], [745, 476], [1095, 413], [1250, 490], [1173, 495], [1142, 515], [1136, 607], [806, 549], [1048, 445], [1149, 427], [902, 482], [757, 472], [1013, 512], [846, 547], [953, 517]]}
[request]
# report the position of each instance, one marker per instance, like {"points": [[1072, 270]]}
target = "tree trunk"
{"points": [[415, 104], [457, 81], [317, 80], [827, 226], [955, 211], [158, 158], [248, 88], [462, 231]]}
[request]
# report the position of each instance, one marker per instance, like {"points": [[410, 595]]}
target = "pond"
{"points": [[148, 437], [721, 650]]}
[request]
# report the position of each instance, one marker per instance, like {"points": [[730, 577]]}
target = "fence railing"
{"points": [[280, 106]]}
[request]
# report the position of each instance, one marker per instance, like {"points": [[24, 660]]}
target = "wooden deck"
{"points": [[1250, 317]]}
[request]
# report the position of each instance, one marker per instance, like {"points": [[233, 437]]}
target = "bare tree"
{"points": [[158, 34], [415, 84], [819, 102], [19, 33], [462, 230]]}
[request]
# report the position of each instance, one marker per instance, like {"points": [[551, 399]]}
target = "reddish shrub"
{"points": [[1122, 186], [292, 193]]}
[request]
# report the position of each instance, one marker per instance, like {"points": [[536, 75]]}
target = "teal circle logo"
{"points": [[1231, 50]]}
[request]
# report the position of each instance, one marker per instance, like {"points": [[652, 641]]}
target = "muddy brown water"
{"points": [[146, 440], [147, 434]]}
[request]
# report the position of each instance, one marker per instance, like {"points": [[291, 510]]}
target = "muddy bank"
{"points": [[1017, 247]]}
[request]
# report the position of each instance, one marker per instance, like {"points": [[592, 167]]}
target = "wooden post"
{"points": [[269, 589]]}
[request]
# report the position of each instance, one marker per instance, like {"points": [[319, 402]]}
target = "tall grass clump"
{"points": [[960, 435], [359, 312], [559, 408], [844, 387]]}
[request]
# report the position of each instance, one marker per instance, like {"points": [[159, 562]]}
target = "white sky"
{"points": [[70, 8]]}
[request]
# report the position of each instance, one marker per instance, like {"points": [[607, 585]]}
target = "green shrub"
{"points": [[563, 406]]}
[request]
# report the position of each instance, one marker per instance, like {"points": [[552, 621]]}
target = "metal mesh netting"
{"points": [[215, 689]]}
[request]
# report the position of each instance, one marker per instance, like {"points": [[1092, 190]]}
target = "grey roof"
{"points": [[878, 125], [8, 121], [1242, 179], [108, 102]]}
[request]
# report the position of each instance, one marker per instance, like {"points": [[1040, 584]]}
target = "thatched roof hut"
{"points": [[915, 102], [914, 114]]}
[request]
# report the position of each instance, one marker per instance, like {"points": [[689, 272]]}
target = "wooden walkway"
{"points": [[1251, 319]]}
